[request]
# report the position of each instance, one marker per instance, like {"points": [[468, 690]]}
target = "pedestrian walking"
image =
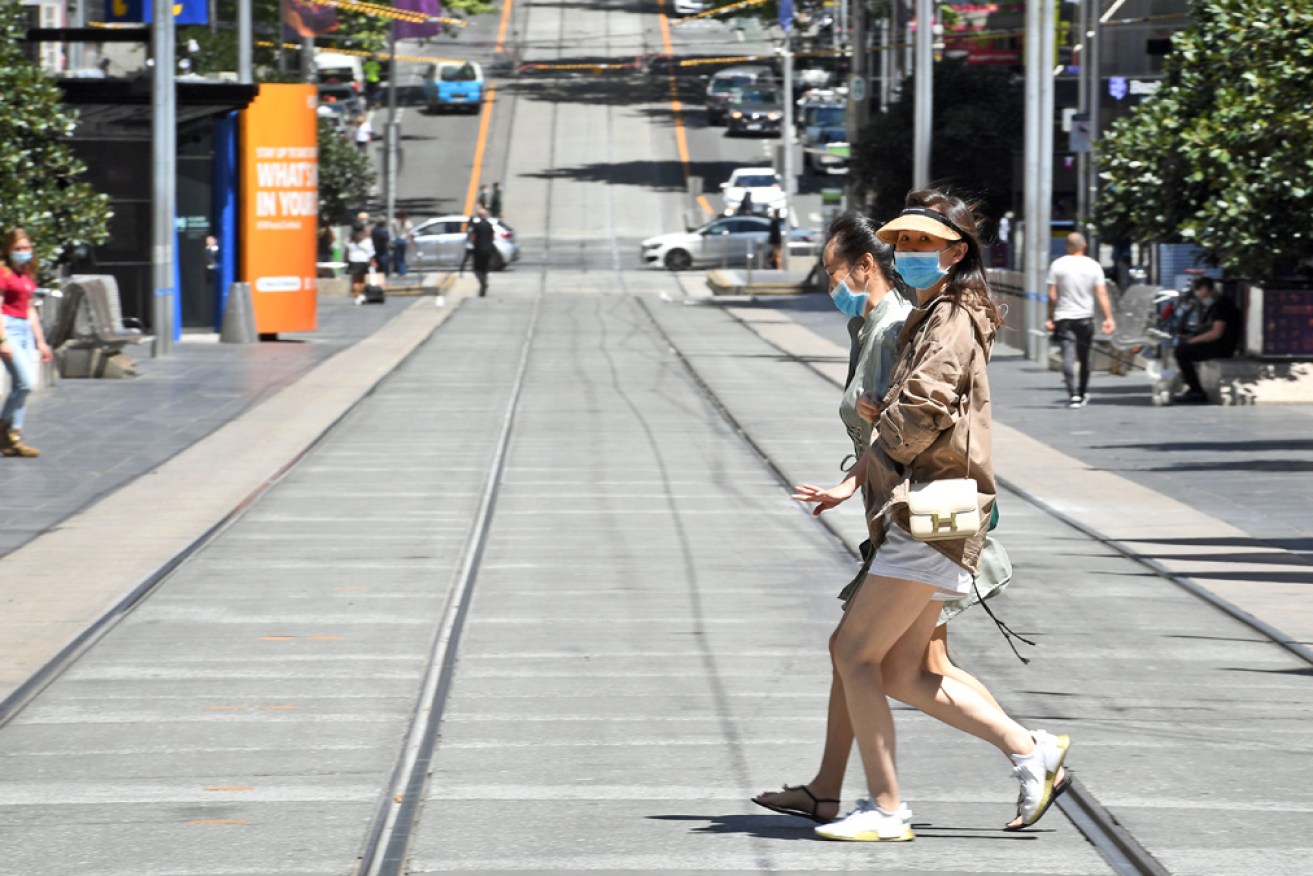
{"points": [[324, 242], [21, 338], [364, 133], [480, 246], [360, 258], [494, 201], [485, 197], [1075, 281], [1216, 337], [775, 238], [403, 234], [746, 206], [855, 259], [938, 396], [381, 238]]}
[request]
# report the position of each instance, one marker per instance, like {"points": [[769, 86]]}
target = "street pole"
{"points": [[858, 102], [390, 146], [789, 139], [1095, 95], [1083, 159], [1030, 253], [164, 154], [244, 42], [77, 50], [1044, 204], [925, 95], [308, 59]]}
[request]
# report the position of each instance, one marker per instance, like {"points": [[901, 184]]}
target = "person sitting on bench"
{"points": [[1215, 338]]}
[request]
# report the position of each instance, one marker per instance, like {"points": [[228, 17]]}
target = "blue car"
{"points": [[454, 85]]}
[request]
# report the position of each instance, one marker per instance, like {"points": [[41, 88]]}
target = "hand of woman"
{"points": [[44, 349], [825, 499], [868, 410]]}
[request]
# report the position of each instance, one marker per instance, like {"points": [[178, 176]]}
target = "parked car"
{"points": [[724, 241], [755, 111], [691, 7], [440, 243], [721, 87], [341, 98], [453, 85], [762, 182]]}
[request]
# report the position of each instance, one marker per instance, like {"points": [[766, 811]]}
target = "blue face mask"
{"points": [[20, 257], [920, 270], [849, 304]]}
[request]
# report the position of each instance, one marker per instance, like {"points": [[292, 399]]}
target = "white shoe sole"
{"points": [[871, 837]]}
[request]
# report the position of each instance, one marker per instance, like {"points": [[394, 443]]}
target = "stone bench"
{"points": [[1241, 381]]}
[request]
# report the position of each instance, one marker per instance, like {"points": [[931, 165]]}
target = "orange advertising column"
{"points": [[280, 206]]}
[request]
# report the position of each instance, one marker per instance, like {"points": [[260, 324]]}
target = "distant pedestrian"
{"points": [[364, 133], [402, 236], [494, 201], [776, 240], [1217, 336], [373, 70], [324, 242], [21, 338], [485, 197], [1075, 281], [360, 258], [746, 206], [480, 244], [212, 262], [381, 239]]}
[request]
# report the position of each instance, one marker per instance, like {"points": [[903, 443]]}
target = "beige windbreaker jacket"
{"points": [[921, 434]]}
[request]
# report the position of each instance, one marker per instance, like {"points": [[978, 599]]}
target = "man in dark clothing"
{"points": [[1216, 338], [776, 240], [479, 245], [380, 238]]}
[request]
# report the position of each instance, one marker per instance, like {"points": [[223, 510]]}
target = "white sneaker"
{"points": [[868, 823], [1037, 771], [1074, 402]]}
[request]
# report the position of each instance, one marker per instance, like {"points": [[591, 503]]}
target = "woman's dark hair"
{"points": [[853, 236], [966, 278]]}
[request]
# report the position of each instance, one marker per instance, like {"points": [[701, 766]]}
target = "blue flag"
{"points": [[786, 15]]}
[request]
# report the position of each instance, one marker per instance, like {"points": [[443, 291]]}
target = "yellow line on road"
{"points": [[677, 107], [477, 170], [501, 31]]}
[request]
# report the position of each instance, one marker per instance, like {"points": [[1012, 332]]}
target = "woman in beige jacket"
{"points": [[938, 392]]}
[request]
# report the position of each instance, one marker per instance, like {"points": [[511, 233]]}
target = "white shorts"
{"points": [[902, 556]]}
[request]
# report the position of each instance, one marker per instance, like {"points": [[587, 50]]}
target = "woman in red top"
{"points": [[20, 337]]}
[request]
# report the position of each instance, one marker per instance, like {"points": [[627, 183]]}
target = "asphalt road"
{"points": [[608, 143]]}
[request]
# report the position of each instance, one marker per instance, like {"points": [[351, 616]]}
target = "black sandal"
{"points": [[786, 810]]}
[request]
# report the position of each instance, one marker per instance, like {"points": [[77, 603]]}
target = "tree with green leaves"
{"points": [[345, 175], [41, 186], [1221, 155], [977, 126]]}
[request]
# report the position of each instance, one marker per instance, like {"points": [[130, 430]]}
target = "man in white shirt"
{"points": [[1075, 282]]}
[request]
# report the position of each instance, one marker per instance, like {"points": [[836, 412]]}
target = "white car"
{"points": [[691, 7], [440, 243], [723, 241], [764, 185]]}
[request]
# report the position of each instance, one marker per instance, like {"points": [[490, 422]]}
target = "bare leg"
{"points": [[937, 662], [880, 614]]}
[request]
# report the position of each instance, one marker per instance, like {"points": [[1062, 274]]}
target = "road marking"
{"points": [[217, 821], [230, 788], [501, 31], [477, 170], [677, 107]]}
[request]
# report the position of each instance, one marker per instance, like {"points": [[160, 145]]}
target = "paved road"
{"points": [[643, 643]]}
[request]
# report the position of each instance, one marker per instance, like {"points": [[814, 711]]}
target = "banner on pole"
{"points": [[143, 11], [413, 30], [307, 18]]}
